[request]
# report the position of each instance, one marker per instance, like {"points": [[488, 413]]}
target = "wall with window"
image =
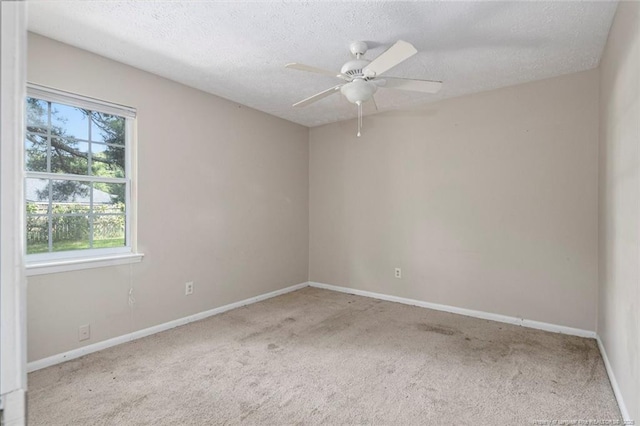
{"points": [[222, 200], [486, 202]]}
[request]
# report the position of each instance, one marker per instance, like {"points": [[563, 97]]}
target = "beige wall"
{"points": [[619, 298], [487, 202], [223, 202]]}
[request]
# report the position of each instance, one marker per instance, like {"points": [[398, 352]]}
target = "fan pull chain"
{"points": [[359, 118]]}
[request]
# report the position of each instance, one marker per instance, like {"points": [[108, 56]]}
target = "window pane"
{"points": [[69, 156], [37, 234], [37, 196], [70, 232], [108, 197], [66, 213], [107, 161], [35, 148], [70, 122], [37, 115], [108, 231], [70, 196], [107, 128]]}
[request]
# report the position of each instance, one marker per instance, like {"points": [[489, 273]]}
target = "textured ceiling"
{"points": [[238, 50]]}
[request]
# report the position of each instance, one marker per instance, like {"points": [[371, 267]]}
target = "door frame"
{"points": [[13, 295]]}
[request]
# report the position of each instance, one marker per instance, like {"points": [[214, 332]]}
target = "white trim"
{"points": [[85, 102], [52, 267], [62, 256], [128, 166], [76, 353], [132, 187], [614, 383], [462, 311], [15, 409], [13, 295]]}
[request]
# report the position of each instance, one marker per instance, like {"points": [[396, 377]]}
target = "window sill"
{"points": [[55, 266]]}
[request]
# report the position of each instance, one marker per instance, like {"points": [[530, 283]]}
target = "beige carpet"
{"points": [[316, 356]]}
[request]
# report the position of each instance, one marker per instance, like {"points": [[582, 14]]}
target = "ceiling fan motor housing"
{"points": [[354, 68], [358, 91]]}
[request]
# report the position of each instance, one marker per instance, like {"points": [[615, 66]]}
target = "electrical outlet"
{"points": [[188, 288], [398, 273], [84, 333]]}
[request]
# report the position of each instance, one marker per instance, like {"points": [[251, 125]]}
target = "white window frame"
{"points": [[51, 262]]}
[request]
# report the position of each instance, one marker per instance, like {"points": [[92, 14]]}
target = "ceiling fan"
{"points": [[363, 77]]}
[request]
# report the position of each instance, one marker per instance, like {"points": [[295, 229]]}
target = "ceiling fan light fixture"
{"points": [[358, 90]]}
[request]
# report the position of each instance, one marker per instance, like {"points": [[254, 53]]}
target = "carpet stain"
{"points": [[286, 403], [260, 333], [439, 329], [272, 346], [128, 405], [334, 324], [577, 348]]}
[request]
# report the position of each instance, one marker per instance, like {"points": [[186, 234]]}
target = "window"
{"points": [[77, 177]]}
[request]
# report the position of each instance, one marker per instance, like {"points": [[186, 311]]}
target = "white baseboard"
{"points": [[76, 353], [614, 383], [14, 408], [462, 311]]}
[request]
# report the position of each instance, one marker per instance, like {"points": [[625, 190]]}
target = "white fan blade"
{"points": [[318, 96], [309, 68], [426, 86], [390, 58]]}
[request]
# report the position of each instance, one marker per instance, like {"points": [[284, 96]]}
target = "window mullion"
{"points": [[49, 137], [50, 216], [91, 216], [82, 178], [89, 154]]}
